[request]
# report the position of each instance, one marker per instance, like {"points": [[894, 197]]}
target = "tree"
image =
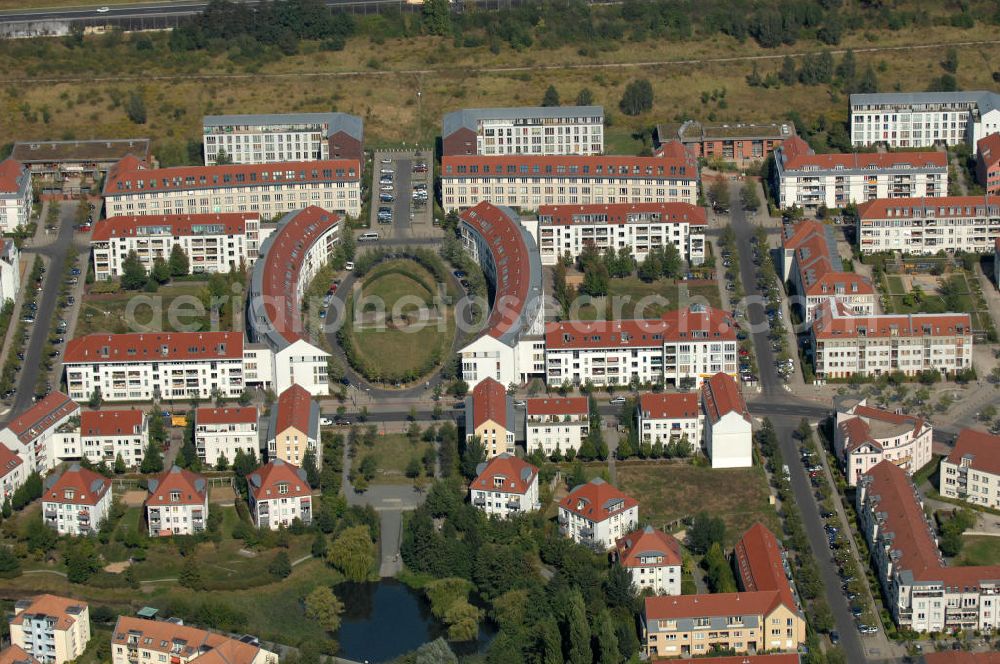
{"points": [[847, 69], [160, 272], [10, 566], [551, 97], [619, 589], [718, 194], [577, 630], [323, 606], [868, 82], [353, 553], [319, 545], [437, 652], [749, 197], [950, 62], [81, 560], [190, 576], [607, 640], [437, 17], [548, 642], [637, 98], [309, 465], [95, 398], [280, 566], [705, 531], [413, 468], [119, 464], [787, 73], [133, 273], [473, 455], [152, 460], [135, 108], [720, 575], [179, 263]]}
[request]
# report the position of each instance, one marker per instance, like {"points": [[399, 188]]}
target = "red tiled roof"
{"points": [[294, 407], [567, 166], [760, 565], [672, 148], [179, 224], [916, 208], [489, 402], [672, 406], [132, 176], [162, 636], [16, 655], [988, 149], [646, 542], [832, 323], [814, 263], [88, 487], [760, 602], [621, 213], [982, 447], [154, 347], [10, 172], [225, 415], [285, 252], [777, 658], [264, 481], [597, 500], [517, 475], [558, 406], [673, 326], [798, 156], [722, 396], [962, 657], [42, 415], [8, 460], [191, 486], [111, 422], [859, 430], [52, 606]]}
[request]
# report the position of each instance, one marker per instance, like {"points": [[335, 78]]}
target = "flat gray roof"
{"points": [[914, 98], [468, 117], [113, 149], [349, 124]]}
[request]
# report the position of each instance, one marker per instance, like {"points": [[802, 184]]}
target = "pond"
{"points": [[384, 620]]}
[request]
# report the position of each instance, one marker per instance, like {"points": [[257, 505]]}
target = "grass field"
{"points": [[645, 300], [393, 452], [175, 307], [671, 491], [979, 550]]}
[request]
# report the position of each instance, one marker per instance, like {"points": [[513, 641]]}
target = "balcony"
{"points": [[587, 532], [479, 501], [513, 504]]}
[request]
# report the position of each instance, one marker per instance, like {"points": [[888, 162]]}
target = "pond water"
{"points": [[384, 620]]}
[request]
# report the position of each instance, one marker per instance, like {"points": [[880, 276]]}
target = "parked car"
{"points": [[325, 421], [617, 401]]}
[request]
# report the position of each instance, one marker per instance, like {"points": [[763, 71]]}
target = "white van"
{"points": [[368, 237]]}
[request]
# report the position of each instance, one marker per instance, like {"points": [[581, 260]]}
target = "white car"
{"points": [[103, 10], [617, 401], [348, 266], [326, 421]]}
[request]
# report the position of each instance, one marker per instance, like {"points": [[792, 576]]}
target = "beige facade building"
{"points": [[972, 471], [141, 641], [50, 628], [293, 428], [865, 436], [489, 415]]}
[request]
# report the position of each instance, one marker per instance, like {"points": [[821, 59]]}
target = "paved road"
{"points": [[136, 11]]}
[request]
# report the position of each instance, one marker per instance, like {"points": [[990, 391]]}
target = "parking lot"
{"points": [[402, 194]]}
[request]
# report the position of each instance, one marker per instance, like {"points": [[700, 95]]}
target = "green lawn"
{"points": [[392, 453], [630, 298], [979, 550], [175, 307], [396, 279]]}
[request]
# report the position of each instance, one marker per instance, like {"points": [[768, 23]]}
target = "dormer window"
{"points": [[175, 496], [498, 481], [68, 494], [282, 487]]}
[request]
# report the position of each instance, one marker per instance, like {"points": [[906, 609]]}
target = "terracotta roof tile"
{"points": [[759, 602], [673, 406], [294, 409], [489, 402], [686, 325], [10, 172], [111, 422], [722, 396], [8, 460], [777, 658], [962, 657], [916, 208], [162, 636], [832, 323], [988, 149], [799, 156], [517, 475], [648, 541], [984, 449], [557, 406], [760, 563], [155, 347], [16, 655], [179, 225], [264, 481], [597, 500], [191, 487], [88, 488], [63, 609], [226, 415], [42, 415]]}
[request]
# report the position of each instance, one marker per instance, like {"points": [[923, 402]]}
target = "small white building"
{"points": [[268, 138], [76, 502], [668, 417], [105, 434], [35, 436], [51, 629], [505, 486], [551, 130], [15, 195], [556, 424], [865, 436], [972, 471], [222, 432], [653, 559], [597, 514], [10, 270], [728, 425], [279, 494], [177, 503], [13, 473]]}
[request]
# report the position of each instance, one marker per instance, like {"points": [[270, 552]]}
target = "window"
{"points": [[283, 487]]}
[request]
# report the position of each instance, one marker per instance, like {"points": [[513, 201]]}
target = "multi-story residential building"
{"points": [[761, 564], [50, 628], [132, 188], [156, 365], [10, 270], [844, 345], [597, 514], [34, 435], [15, 195], [505, 486], [864, 436], [922, 593], [293, 428], [16, 655], [665, 417], [290, 258], [510, 348], [775, 658], [565, 230], [653, 560], [556, 423], [683, 348], [528, 182], [55, 160], [919, 226], [728, 425], [107, 434], [813, 266], [809, 180], [279, 494], [532, 130], [76, 502], [266, 139], [219, 433], [971, 472], [743, 144], [988, 163], [212, 242], [489, 416], [13, 472], [139, 640], [918, 119], [177, 503]]}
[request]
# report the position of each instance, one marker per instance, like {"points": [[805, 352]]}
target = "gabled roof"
{"points": [[210, 416], [16, 655], [983, 450], [297, 409], [168, 636], [760, 564], [191, 487], [796, 155], [988, 149], [63, 609], [870, 426], [835, 322], [515, 476], [264, 481], [542, 406], [941, 207], [648, 542], [761, 602], [622, 213], [597, 500], [111, 422], [8, 461], [489, 402], [43, 415], [699, 323], [12, 175], [819, 266], [722, 396], [154, 347], [87, 487], [669, 405], [175, 225], [568, 166]]}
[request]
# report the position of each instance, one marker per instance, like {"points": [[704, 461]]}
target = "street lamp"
{"points": [[420, 118]]}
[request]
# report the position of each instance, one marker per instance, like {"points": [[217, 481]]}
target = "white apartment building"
{"points": [[505, 486], [279, 494], [918, 226], [918, 119], [653, 559], [809, 180], [140, 640], [177, 503], [683, 348], [36, 434], [864, 436], [212, 242], [267, 138], [528, 182], [222, 432], [132, 188], [535, 130], [566, 229], [971, 472], [597, 514], [924, 594], [13, 473], [106, 434], [51, 629], [15, 195], [556, 423], [10, 270], [843, 344], [157, 365], [76, 502], [728, 425], [665, 417]]}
